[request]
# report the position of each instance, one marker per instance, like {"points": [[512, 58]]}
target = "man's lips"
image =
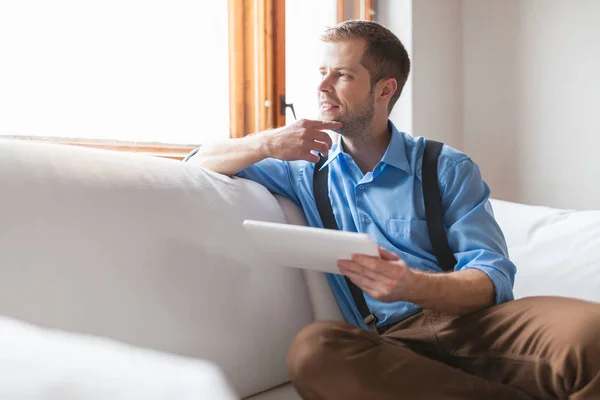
{"points": [[327, 105]]}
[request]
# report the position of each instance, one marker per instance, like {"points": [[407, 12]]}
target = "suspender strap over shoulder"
{"points": [[433, 207], [321, 192]]}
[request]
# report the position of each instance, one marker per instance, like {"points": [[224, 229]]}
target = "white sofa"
{"points": [[113, 260]]}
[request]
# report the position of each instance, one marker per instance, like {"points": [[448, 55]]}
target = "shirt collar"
{"points": [[333, 153], [395, 154]]}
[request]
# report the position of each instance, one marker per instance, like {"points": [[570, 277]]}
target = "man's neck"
{"points": [[368, 149]]}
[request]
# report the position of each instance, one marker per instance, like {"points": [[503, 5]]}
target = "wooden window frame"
{"points": [[256, 65], [256, 80], [361, 9]]}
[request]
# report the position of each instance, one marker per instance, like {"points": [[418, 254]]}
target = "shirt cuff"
{"points": [[502, 284]]}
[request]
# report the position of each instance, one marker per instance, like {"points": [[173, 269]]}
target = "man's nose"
{"points": [[325, 85]]}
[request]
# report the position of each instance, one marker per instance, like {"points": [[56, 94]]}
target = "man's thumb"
{"points": [[328, 124]]}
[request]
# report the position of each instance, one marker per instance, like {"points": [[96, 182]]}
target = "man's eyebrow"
{"points": [[340, 67]]}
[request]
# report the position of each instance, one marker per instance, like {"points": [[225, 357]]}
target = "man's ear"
{"points": [[387, 89]]}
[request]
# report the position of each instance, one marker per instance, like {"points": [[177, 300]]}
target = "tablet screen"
{"points": [[306, 247]]}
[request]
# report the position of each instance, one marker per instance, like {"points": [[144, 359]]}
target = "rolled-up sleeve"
{"points": [[473, 233], [273, 174]]}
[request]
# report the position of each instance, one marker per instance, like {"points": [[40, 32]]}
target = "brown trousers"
{"points": [[533, 348]]}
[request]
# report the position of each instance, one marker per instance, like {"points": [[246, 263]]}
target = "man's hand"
{"points": [[386, 278], [289, 143], [295, 141]]}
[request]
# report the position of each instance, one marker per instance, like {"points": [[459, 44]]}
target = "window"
{"points": [[257, 65], [135, 75], [355, 9]]}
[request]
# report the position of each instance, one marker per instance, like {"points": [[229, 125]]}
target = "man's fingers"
{"points": [[310, 157], [376, 264], [361, 277], [314, 124], [320, 147], [367, 285], [387, 255], [347, 266], [323, 137]]}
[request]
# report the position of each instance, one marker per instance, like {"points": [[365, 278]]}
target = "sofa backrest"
{"points": [[146, 251]]}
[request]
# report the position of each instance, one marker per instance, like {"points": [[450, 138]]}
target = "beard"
{"points": [[356, 121]]}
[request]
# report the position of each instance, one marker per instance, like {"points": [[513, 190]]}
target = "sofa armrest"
{"points": [[324, 305], [147, 251]]}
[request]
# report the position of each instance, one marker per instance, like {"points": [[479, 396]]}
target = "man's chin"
{"points": [[330, 117], [326, 117]]}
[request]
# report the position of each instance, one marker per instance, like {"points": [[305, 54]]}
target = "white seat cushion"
{"points": [[43, 364], [557, 252], [283, 392]]}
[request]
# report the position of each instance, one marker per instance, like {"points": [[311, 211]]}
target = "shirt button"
{"points": [[366, 220], [361, 187]]}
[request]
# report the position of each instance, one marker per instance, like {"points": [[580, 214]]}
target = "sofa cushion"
{"points": [[557, 252], [46, 364], [283, 392], [147, 251]]}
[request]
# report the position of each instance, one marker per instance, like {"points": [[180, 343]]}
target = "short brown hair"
{"points": [[384, 57]]}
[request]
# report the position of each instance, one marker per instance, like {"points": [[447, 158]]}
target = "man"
{"points": [[457, 335]]}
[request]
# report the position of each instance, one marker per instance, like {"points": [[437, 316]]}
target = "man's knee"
{"points": [[318, 347], [584, 338], [577, 346]]}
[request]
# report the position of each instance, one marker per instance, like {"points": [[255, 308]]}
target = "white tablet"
{"points": [[306, 247]]}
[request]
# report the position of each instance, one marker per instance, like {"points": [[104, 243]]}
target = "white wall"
{"points": [[431, 104], [532, 98], [515, 84], [437, 70], [492, 101], [396, 15]]}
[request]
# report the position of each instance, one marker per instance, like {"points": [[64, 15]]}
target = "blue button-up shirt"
{"points": [[387, 204]]}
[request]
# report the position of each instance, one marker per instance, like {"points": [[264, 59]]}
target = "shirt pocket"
{"points": [[410, 233]]}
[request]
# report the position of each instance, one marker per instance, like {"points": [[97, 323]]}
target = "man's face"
{"points": [[345, 93]]}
